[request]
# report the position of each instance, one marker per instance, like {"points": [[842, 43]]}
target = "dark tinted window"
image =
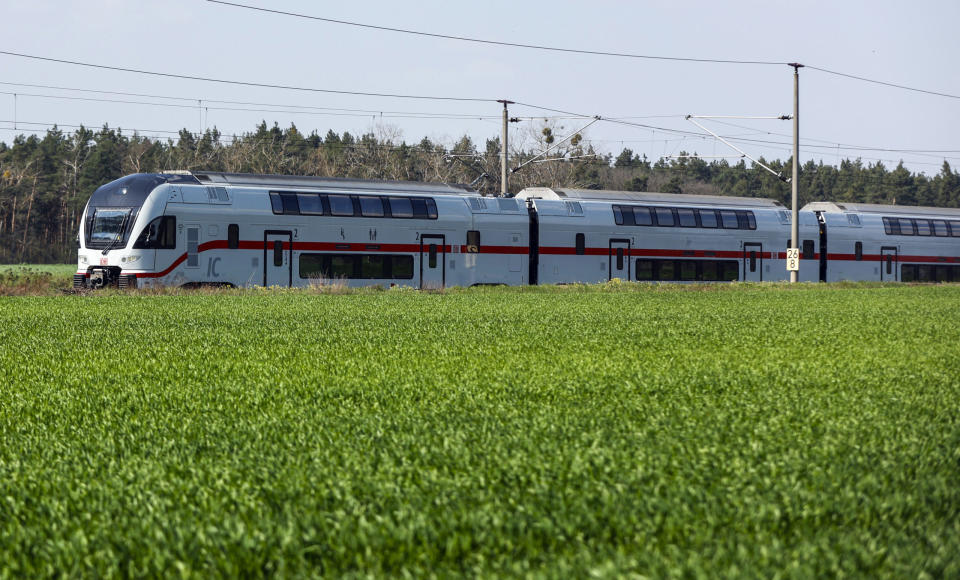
{"points": [[581, 243], [290, 205], [160, 234], [275, 204], [890, 226], [401, 207], [688, 270], [664, 217], [431, 209], [687, 218], [617, 215], [908, 273], [642, 217], [310, 203], [473, 241], [708, 218], [644, 269], [858, 251], [277, 253], [340, 205], [371, 206], [419, 208], [233, 236], [808, 250], [432, 256], [356, 266], [729, 219]]}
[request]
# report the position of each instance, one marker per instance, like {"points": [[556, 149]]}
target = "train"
{"points": [[227, 229]]}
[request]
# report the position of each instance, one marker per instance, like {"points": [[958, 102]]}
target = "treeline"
{"points": [[45, 181]]}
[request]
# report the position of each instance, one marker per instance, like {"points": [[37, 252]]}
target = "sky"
{"points": [[913, 45]]}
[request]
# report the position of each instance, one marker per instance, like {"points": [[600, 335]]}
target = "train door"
{"points": [[619, 259], [432, 261], [277, 258], [752, 262], [888, 264]]}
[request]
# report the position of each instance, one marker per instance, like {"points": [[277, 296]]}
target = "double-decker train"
{"points": [[194, 229]]}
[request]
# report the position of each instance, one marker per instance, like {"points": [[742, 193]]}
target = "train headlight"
{"points": [[130, 259], [83, 259]]}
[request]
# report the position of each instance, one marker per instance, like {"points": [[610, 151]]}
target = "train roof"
{"points": [[646, 196], [874, 208], [338, 183]]}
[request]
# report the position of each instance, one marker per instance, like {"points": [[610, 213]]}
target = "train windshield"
{"points": [[109, 225]]}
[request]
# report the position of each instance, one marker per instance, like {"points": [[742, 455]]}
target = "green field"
{"points": [[613, 431]]}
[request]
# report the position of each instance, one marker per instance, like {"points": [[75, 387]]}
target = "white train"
{"points": [[191, 229]]}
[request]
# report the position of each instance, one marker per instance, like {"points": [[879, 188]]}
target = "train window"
{"points": [[687, 218], [728, 218], [617, 215], [753, 260], [371, 206], [666, 270], [688, 270], [619, 258], [340, 205], [310, 204], [419, 208], [363, 266], [433, 256], [858, 251], [473, 241], [729, 271], [581, 243], [277, 253], [431, 209], [400, 207], [889, 264], [372, 266], [642, 217], [289, 202], [891, 226], [644, 269], [808, 250], [906, 226], [402, 267], [925, 273], [275, 203], [954, 228], [709, 271], [708, 218], [233, 236], [923, 227], [941, 273], [665, 217], [751, 221], [908, 273], [160, 234], [853, 219], [940, 228]]}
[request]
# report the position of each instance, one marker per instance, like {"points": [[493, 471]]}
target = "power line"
{"points": [[884, 83], [574, 50], [245, 83], [495, 42]]}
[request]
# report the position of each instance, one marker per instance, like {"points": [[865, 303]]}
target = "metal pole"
{"points": [[504, 185], [794, 214]]}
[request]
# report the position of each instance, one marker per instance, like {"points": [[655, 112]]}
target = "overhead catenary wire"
{"points": [[576, 50], [245, 83], [495, 42]]}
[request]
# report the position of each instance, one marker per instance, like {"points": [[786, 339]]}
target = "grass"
{"points": [[616, 430]]}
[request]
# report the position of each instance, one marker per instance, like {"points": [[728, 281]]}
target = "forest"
{"points": [[45, 181]]}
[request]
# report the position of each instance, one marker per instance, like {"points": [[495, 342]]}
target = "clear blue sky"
{"points": [[911, 44]]}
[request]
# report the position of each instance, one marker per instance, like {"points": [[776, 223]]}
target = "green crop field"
{"points": [[613, 431]]}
